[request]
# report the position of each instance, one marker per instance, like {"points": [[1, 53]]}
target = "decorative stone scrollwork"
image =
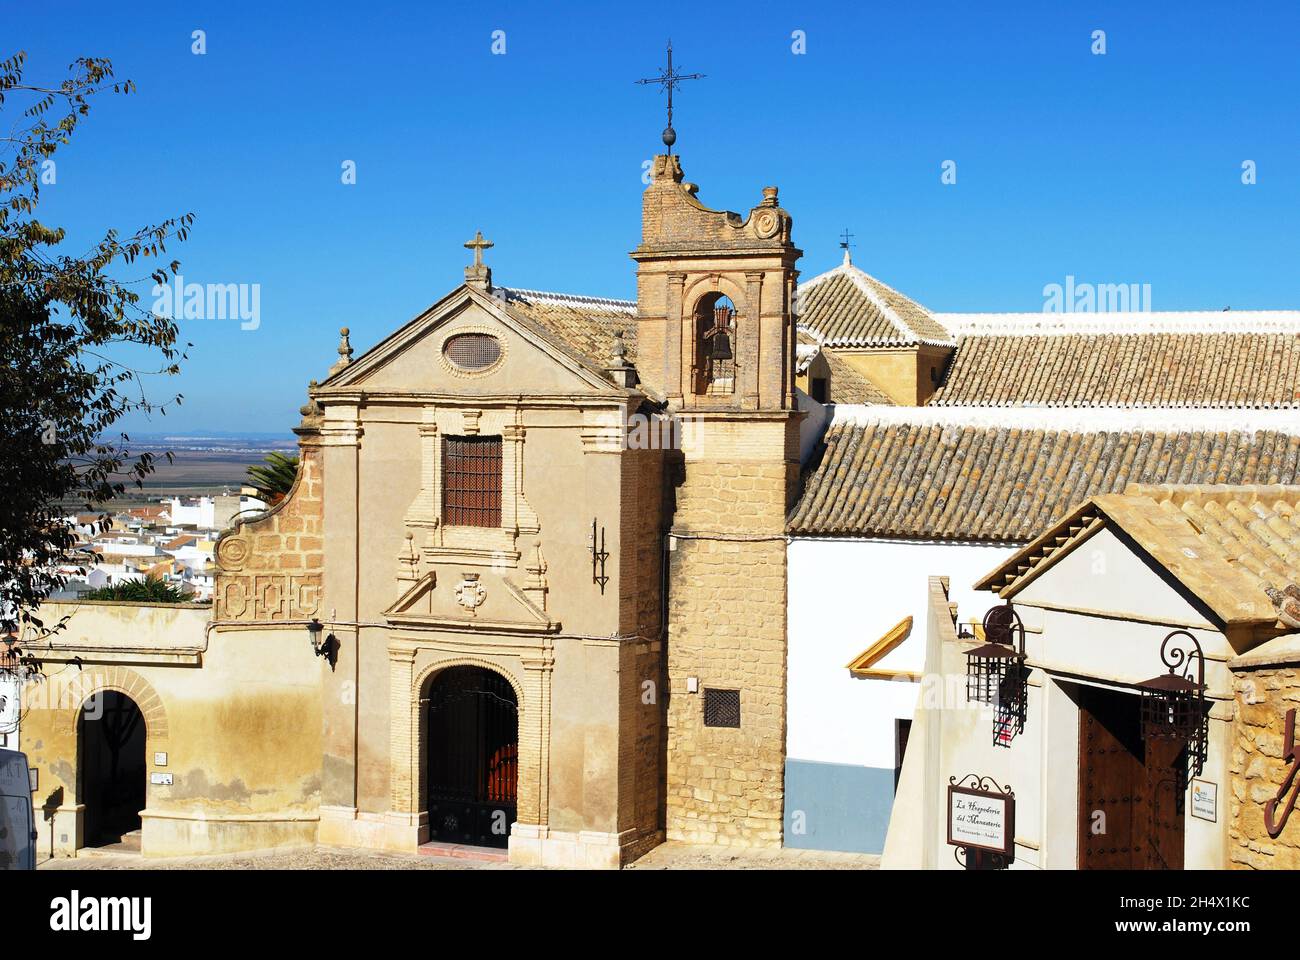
{"points": [[767, 224], [232, 552]]}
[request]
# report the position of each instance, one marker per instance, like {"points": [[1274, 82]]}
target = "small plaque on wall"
{"points": [[161, 779], [1205, 800]]}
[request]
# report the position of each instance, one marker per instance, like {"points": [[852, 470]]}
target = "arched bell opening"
{"points": [[714, 365]]}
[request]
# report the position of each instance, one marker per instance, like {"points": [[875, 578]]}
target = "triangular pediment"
{"points": [[481, 601], [531, 360]]}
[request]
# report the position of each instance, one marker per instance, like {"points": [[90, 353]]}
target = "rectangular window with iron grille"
{"points": [[721, 707], [471, 481]]}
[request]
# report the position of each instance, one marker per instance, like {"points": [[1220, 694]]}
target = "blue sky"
{"points": [[1122, 168]]}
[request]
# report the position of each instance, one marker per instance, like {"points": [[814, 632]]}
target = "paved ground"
{"points": [[684, 856], [289, 858], [668, 856]]}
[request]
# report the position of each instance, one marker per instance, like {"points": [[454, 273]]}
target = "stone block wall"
{"points": [[727, 629], [1262, 698], [269, 569]]}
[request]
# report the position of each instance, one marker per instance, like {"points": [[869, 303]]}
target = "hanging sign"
{"points": [[982, 819]]}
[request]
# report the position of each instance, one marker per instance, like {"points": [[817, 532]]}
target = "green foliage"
{"points": [[63, 322], [148, 590], [274, 478]]}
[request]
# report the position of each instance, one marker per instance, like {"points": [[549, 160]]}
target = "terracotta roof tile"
{"points": [[955, 481], [1180, 369], [1229, 544], [587, 325], [850, 385], [847, 307]]}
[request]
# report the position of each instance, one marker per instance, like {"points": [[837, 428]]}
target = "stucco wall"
{"points": [[841, 740], [1115, 644], [236, 714]]}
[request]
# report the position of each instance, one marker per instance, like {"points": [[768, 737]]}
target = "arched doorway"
{"points": [[473, 756], [112, 757]]}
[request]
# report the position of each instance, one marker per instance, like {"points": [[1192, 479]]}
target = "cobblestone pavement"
{"points": [[668, 856]]}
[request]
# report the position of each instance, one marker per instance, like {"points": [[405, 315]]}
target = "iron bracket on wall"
{"points": [[598, 557]]}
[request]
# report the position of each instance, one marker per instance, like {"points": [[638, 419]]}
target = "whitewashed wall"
{"points": [[843, 596], [1115, 646]]}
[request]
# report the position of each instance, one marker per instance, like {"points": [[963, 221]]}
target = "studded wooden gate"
{"points": [[473, 749], [1130, 794]]}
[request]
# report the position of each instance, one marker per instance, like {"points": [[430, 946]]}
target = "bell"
{"points": [[721, 346]]}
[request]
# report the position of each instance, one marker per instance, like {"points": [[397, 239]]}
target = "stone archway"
{"points": [[469, 752], [408, 823], [111, 769], [71, 819]]}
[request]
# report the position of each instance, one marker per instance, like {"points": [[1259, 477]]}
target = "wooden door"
{"points": [[1166, 786], [1112, 779], [1130, 794]]}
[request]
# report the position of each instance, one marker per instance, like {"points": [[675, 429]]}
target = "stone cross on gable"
{"points": [[478, 273], [478, 245]]}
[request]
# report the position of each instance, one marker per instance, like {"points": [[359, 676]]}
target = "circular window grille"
{"points": [[472, 351]]}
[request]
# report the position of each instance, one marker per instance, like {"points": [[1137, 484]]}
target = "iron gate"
{"points": [[473, 757]]}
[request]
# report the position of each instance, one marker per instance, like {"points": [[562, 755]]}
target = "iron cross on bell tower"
{"points": [[670, 80]]}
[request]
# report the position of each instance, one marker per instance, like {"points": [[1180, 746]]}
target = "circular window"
{"points": [[472, 351]]}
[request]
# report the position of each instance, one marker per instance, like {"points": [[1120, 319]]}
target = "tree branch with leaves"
{"points": [[62, 318]]}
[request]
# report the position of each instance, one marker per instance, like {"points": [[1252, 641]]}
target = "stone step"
{"points": [[463, 851]]}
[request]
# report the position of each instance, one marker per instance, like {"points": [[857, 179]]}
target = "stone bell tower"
{"points": [[716, 341]]}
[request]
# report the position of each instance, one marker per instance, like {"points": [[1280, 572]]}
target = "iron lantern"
{"points": [[994, 667], [314, 630], [1173, 704]]}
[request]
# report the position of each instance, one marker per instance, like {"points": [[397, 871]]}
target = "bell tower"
{"points": [[716, 342], [693, 265]]}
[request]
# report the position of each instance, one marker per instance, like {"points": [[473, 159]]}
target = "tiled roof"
{"points": [[849, 385], [845, 307], [884, 475], [587, 325], [1234, 547], [1176, 360]]}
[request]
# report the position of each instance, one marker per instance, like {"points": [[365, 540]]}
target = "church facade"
{"points": [[536, 543], [568, 576]]}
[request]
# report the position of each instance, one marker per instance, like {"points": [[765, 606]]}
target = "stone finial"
{"points": [[667, 166], [769, 197], [408, 560], [311, 411], [478, 273], [345, 352], [619, 370], [535, 584]]}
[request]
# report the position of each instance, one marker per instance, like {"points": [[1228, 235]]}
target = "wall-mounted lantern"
{"points": [[315, 629], [996, 673], [1173, 703], [14, 663]]}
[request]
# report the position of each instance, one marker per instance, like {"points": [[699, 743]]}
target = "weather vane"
{"points": [[845, 239], [669, 80]]}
